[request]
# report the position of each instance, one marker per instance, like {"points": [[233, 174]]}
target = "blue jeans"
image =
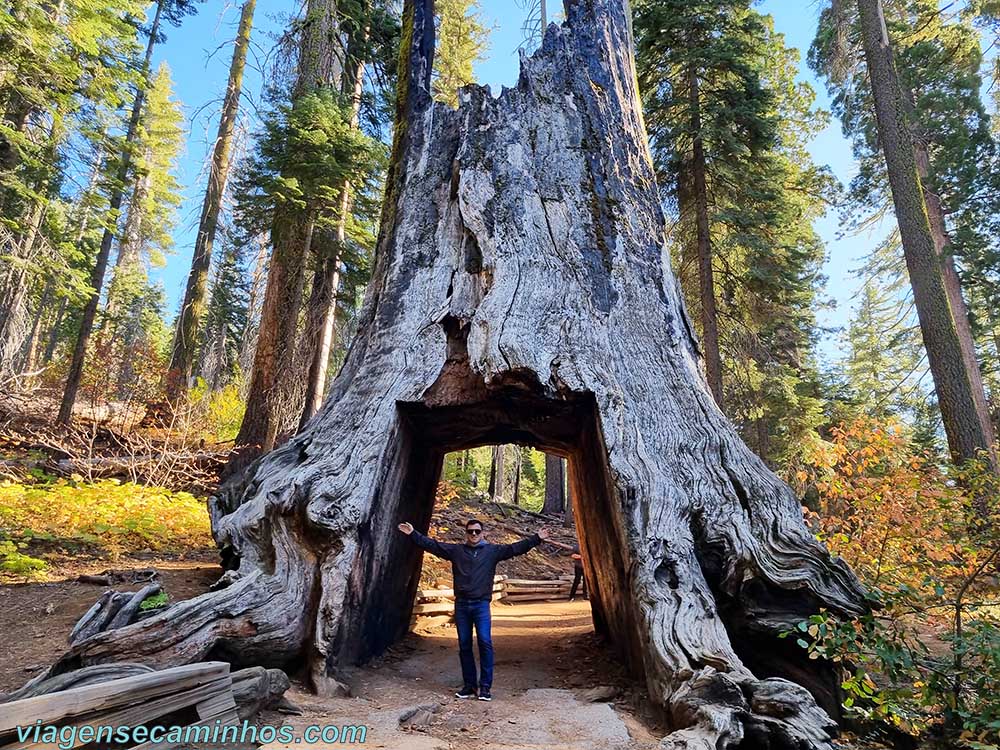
{"points": [[467, 615]]}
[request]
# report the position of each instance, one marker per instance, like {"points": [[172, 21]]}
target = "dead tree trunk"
{"points": [[522, 293]]}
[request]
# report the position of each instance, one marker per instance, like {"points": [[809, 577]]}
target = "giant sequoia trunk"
{"points": [[522, 294]]}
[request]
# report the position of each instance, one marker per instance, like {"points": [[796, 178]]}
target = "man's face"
{"points": [[473, 534]]}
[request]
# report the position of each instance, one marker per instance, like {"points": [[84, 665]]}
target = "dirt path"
{"points": [[547, 657]]}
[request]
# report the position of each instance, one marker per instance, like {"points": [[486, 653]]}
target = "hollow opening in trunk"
{"points": [[383, 587]]}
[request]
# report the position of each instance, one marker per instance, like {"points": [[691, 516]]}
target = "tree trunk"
{"points": [[497, 474], [952, 284], [193, 307], [31, 345], [555, 494], [502, 217], [277, 385], [13, 312], [706, 273], [50, 348], [518, 461], [322, 311], [966, 425], [101, 262]]}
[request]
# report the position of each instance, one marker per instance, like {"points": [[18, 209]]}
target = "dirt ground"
{"points": [[547, 658], [36, 618]]}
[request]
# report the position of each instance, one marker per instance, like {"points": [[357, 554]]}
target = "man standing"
{"points": [[577, 573], [473, 566]]}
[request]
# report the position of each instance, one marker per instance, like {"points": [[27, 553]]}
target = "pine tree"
{"points": [[729, 126], [226, 316], [940, 310], [301, 202], [166, 11], [64, 67], [462, 41], [191, 312], [150, 219]]}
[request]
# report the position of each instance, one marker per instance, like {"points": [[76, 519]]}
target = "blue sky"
{"points": [[199, 53]]}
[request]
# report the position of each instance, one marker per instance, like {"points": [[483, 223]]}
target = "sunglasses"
{"points": [[473, 532]]}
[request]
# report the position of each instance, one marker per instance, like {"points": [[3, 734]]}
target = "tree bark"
{"points": [[521, 292], [952, 284], [192, 311], [706, 272], [518, 461], [966, 425], [497, 474], [555, 493], [322, 310], [75, 374], [277, 384], [193, 307]]}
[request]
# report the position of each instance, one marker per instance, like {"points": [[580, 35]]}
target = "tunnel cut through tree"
{"points": [[521, 292]]}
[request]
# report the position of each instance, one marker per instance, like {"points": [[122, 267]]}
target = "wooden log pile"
{"points": [[138, 699], [440, 603], [522, 590]]}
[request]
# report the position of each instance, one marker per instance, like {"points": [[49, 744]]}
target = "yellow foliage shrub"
{"points": [[107, 514]]}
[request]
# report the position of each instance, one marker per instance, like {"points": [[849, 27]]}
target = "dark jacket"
{"points": [[473, 568]]}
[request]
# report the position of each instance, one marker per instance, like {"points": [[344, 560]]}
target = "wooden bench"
{"points": [[206, 687]]}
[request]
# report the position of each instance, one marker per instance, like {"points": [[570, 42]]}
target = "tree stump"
{"points": [[522, 293]]}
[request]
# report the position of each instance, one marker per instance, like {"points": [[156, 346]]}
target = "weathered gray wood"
{"points": [[131, 608], [79, 678], [515, 582], [64, 705], [256, 688], [522, 292], [140, 713], [99, 615]]}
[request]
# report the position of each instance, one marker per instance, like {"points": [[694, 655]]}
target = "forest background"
{"points": [[190, 196]]}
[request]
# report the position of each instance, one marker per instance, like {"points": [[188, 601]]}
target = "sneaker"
{"points": [[466, 692], [484, 695]]}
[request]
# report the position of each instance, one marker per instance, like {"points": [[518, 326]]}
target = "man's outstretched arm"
{"points": [[425, 542], [508, 551]]}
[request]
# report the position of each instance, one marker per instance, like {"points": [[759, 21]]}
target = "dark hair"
{"points": [[472, 521]]}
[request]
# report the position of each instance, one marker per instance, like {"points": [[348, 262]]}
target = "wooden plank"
{"points": [[222, 708], [526, 582], [532, 597], [435, 593], [108, 695], [448, 593], [434, 608], [140, 713]]}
